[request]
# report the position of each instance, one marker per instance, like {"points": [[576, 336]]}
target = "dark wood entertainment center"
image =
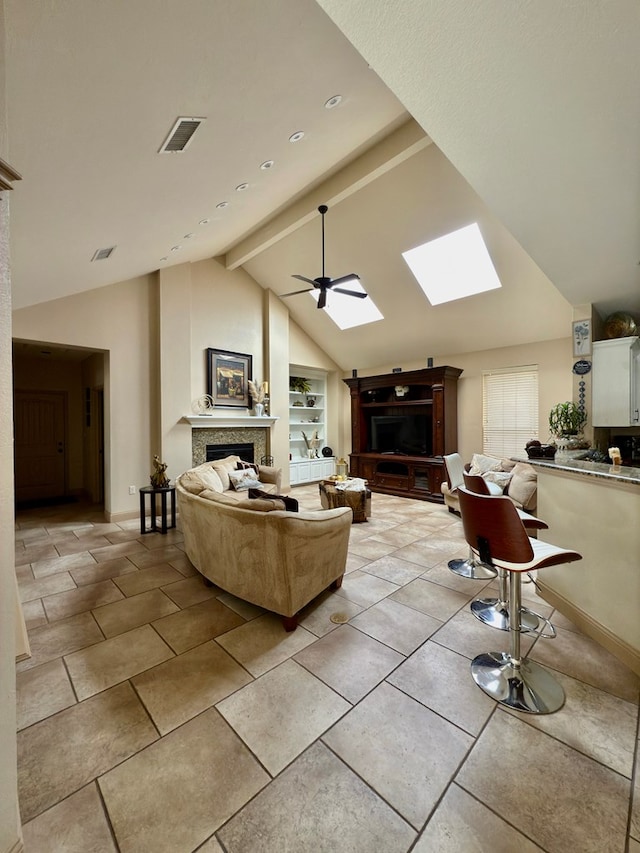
{"points": [[432, 396]]}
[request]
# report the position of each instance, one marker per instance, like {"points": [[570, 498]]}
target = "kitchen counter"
{"points": [[594, 508], [620, 473]]}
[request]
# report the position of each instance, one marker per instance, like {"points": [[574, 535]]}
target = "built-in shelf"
{"points": [[224, 421]]}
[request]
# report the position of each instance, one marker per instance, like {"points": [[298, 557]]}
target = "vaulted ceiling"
{"points": [[522, 117]]}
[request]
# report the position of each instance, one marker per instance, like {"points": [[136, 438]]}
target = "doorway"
{"points": [[40, 435]]}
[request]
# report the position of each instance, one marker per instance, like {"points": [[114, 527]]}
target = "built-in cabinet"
{"points": [[401, 426], [308, 417], [615, 388]]}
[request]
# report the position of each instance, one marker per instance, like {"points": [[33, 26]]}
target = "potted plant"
{"points": [[566, 420], [300, 384]]}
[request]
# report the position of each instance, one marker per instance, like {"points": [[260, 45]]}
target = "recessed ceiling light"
{"points": [[163, 259], [176, 248], [242, 187], [189, 236], [222, 204], [267, 164], [204, 222], [333, 102], [297, 136]]}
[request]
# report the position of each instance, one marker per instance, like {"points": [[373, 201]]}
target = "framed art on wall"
{"points": [[228, 375], [581, 338]]}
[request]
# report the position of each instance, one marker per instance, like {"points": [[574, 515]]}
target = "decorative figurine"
{"points": [[159, 479]]}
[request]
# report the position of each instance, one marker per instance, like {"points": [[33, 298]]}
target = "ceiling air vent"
{"points": [[180, 134], [103, 254]]}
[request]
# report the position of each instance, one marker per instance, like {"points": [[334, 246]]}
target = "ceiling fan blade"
{"points": [[296, 292], [345, 278], [322, 299], [349, 292], [304, 278]]}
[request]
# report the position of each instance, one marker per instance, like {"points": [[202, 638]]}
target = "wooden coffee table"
{"points": [[358, 502]]}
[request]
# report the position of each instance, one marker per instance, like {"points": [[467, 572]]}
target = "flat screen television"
{"points": [[408, 434]]}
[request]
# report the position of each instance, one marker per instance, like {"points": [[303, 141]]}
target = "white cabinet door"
{"points": [[615, 389]]}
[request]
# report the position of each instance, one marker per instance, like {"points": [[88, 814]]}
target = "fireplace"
{"points": [[219, 451], [252, 442]]}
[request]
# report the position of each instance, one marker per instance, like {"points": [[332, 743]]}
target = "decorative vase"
{"points": [[258, 408]]}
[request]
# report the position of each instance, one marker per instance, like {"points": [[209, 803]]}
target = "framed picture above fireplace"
{"points": [[228, 375]]}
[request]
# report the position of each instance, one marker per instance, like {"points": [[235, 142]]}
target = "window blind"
{"points": [[509, 410]]}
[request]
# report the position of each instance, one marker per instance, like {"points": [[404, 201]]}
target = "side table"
{"points": [[153, 492], [359, 502]]}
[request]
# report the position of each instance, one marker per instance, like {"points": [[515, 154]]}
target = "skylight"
{"points": [[347, 311], [453, 266]]}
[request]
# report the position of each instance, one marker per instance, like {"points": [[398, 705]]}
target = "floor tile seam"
{"points": [[609, 692], [115, 683], [107, 816], [146, 709], [406, 655], [73, 688], [68, 796], [527, 719], [442, 584], [233, 657], [437, 618], [502, 817], [370, 786], [322, 681], [78, 612], [437, 713]]}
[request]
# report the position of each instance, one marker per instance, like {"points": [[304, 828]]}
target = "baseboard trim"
{"points": [[18, 847], [623, 651], [115, 517]]}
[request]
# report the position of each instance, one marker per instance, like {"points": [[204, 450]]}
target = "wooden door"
{"points": [[40, 444]]}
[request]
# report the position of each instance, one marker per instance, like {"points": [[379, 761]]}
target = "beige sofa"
{"points": [[518, 480], [257, 550], [216, 476]]}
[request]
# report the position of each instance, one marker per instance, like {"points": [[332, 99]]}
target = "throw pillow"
{"points": [[290, 504], [498, 478], [209, 477], [481, 464], [523, 485], [242, 465], [243, 480], [191, 482], [261, 505], [224, 467]]}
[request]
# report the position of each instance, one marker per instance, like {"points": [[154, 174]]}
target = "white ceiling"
{"points": [[535, 104]]}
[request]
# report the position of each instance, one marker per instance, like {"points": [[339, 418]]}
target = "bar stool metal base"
{"points": [[472, 570], [528, 687], [495, 613]]}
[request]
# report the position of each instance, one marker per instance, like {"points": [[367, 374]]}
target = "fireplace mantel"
{"points": [[230, 422]]}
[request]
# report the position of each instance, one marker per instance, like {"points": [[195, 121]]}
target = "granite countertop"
{"points": [[620, 473]]}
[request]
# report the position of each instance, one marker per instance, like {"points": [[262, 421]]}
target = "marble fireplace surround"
{"points": [[231, 430]]}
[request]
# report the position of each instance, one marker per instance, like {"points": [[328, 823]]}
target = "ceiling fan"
{"points": [[324, 283]]}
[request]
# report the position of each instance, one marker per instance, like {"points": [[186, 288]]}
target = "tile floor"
{"points": [[157, 714]]}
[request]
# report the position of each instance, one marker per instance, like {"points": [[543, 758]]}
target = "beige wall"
{"points": [[9, 821], [553, 358], [117, 319], [155, 331]]}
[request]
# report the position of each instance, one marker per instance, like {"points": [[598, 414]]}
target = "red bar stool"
{"points": [[497, 536], [495, 611], [469, 567]]}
